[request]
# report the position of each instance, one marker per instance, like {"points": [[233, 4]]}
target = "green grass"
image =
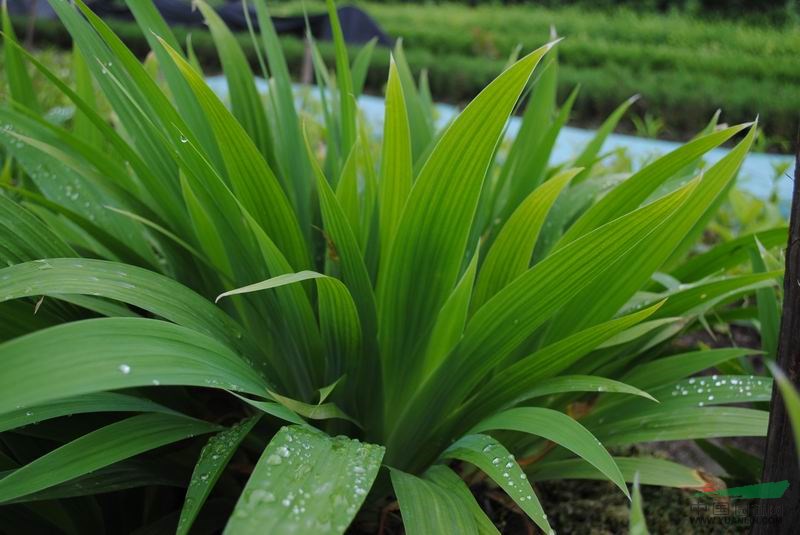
{"points": [[352, 321]]}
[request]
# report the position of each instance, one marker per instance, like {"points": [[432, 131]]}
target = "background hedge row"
{"points": [[684, 68]]}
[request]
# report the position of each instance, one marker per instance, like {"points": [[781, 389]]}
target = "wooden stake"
{"points": [[780, 461]]}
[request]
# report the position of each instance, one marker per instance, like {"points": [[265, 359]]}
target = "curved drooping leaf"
{"points": [[100, 448], [339, 322], [128, 474], [214, 457], [86, 403], [145, 289], [306, 482], [495, 461], [651, 470], [684, 424], [582, 383], [125, 352], [561, 429], [668, 369], [25, 237]]}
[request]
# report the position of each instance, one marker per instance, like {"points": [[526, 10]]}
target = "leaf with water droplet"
{"points": [[213, 459], [481, 450], [306, 482]]}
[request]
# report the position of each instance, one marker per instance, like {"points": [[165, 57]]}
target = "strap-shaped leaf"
{"points": [[19, 81], [728, 254], [588, 157], [510, 254], [428, 249], [87, 403], [429, 508], [24, 237], [561, 429], [344, 82], [100, 448], [685, 424], [397, 165], [583, 383], [419, 120], [214, 457], [452, 318], [306, 482], [636, 189], [290, 152], [515, 313], [495, 461], [651, 470], [510, 385], [251, 178], [123, 80], [699, 297], [125, 352], [246, 103], [668, 369], [139, 287], [614, 287], [118, 476]]}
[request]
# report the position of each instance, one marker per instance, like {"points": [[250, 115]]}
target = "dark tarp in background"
{"points": [[357, 26]]}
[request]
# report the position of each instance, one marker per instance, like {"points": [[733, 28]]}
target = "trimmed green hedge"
{"points": [[684, 68]]}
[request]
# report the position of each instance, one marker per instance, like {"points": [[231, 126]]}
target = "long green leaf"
{"points": [[449, 480], [429, 508], [495, 461], [510, 254], [561, 429], [214, 457], [427, 252], [100, 448], [518, 310], [397, 167], [87, 403], [651, 470], [306, 482], [125, 352], [150, 291]]}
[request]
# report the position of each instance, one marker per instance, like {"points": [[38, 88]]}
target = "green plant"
{"points": [[433, 297], [648, 125]]}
